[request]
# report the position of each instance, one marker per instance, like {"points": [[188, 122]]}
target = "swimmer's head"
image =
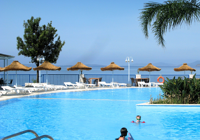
{"points": [[138, 117], [123, 131]]}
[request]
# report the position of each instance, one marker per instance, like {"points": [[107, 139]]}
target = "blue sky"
{"points": [[98, 32]]}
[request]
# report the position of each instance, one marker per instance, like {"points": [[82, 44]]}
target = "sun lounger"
{"points": [[3, 92], [69, 84], [25, 88], [90, 85], [36, 86], [60, 87], [141, 84], [80, 85], [115, 84], [157, 84], [122, 84], [16, 90], [106, 84]]}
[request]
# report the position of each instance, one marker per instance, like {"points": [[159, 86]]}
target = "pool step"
{"points": [[28, 131]]}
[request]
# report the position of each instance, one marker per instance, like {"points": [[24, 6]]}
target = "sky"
{"points": [[98, 32]]}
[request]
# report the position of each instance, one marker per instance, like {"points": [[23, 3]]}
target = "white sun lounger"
{"points": [[141, 84], [157, 84], [16, 90], [3, 92], [60, 87], [80, 85], [115, 84], [90, 85], [25, 88], [36, 86], [122, 84], [69, 84], [102, 83]]}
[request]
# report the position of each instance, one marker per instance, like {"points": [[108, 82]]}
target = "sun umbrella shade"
{"points": [[15, 66], [1, 69], [79, 66], [184, 67], [112, 67], [46, 65], [149, 68]]}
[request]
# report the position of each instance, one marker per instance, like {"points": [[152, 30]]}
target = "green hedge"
{"points": [[179, 91]]}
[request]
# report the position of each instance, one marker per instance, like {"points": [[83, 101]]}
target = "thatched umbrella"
{"points": [[149, 68], [79, 66], [1, 69], [184, 68], [46, 65], [112, 67], [16, 66]]}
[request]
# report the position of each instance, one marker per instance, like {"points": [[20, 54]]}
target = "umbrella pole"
{"points": [[149, 76], [184, 73], [79, 76], [16, 78], [81, 80], [7, 74], [46, 77], [112, 76]]}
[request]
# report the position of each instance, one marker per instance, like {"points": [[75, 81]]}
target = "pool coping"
{"points": [[169, 105], [14, 95]]}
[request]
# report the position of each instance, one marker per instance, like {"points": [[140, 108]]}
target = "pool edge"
{"points": [[167, 105]]}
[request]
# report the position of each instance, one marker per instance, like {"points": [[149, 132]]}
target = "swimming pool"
{"points": [[97, 115]]}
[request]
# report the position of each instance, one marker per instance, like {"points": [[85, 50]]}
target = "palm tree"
{"points": [[167, 16]]}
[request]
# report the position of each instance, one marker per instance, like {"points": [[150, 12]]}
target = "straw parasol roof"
{"points": [[15, 66], [46, 65], [112, 67], [184, 67], [1, 69], [79, 66], [149, 68]]}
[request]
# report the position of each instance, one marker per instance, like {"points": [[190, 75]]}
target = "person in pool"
{"points": [[138, 118], [124, 132]]}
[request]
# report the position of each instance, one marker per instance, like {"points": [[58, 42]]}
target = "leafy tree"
{"points": [[39, 40], [168, 16]]}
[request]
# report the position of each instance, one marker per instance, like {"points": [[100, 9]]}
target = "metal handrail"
{"points": [[43, 136], [20, 133]]}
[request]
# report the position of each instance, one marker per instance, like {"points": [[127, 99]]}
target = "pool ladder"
{"points": [[28, 131]]}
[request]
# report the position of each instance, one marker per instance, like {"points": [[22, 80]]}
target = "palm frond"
{"points": [[168, 16]]}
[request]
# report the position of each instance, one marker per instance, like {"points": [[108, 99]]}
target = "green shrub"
{"points": [[34, 80], [179, 91]]}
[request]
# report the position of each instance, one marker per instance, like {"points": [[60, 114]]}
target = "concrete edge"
{"points": [[14, 95], [174, 105]]}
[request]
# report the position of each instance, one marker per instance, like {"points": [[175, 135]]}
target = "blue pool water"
{"points": [[98, 115]]}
